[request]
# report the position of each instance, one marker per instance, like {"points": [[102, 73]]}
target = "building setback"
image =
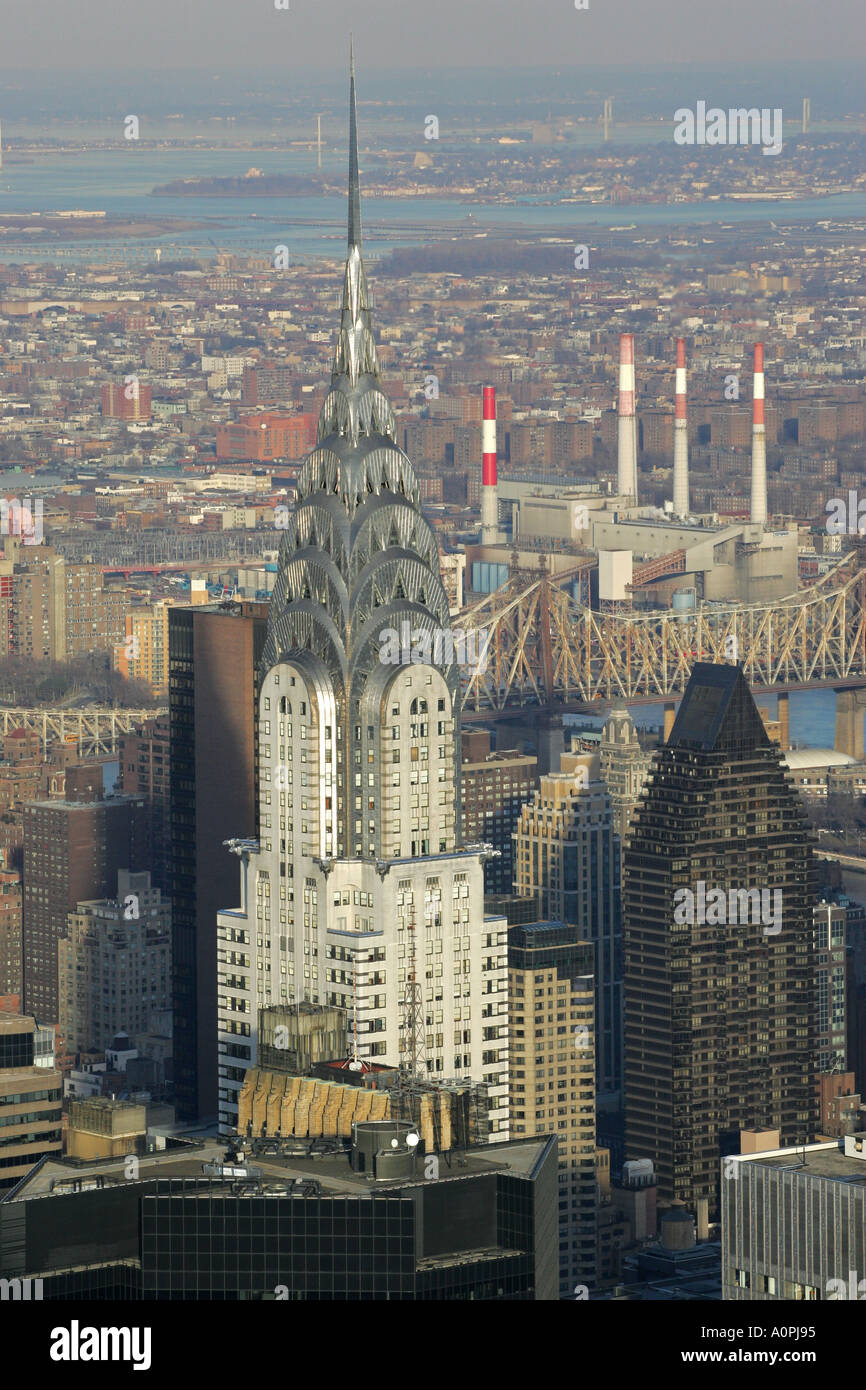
{"points": [[719, 1010], [623, 766]]}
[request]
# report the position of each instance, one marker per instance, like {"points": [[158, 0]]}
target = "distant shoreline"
{"points": [[245, 186], [47, 230]]}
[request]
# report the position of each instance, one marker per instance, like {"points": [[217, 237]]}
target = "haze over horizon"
{"points": [[396, 34]]}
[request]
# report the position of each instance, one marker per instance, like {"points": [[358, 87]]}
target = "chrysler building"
{"points": [[356, 893]]}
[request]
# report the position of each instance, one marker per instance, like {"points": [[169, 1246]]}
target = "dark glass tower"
{"points": [[214, 653], [719, 1005]]}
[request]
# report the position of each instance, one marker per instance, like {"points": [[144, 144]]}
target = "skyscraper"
{"points": [[566, 857], [59, 610], [830, 987], [145, 770], [494, 786], [214, 653], [356, 894], [143, 653], [553, 1031], [717, 901], [72, 852]]}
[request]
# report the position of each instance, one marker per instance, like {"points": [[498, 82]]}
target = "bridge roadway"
{"points": [[517, 712], [183, 566], [848, 861]]}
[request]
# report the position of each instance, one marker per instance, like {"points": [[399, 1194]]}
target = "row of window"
{"points": [[26, 1097]]}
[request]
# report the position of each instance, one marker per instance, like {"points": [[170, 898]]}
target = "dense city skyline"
{"points": [[433, 683]]}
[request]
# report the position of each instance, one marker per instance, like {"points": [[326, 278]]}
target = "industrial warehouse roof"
{"points": [[799, 758]]}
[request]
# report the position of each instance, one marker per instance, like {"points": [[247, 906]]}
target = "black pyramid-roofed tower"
{"points": [[717, 712], [718, 1009]]}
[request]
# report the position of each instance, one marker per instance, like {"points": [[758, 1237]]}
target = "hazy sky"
{"points": [[215, 34]]}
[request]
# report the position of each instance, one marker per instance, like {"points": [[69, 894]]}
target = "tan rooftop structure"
{"points": [[104, 1128]]}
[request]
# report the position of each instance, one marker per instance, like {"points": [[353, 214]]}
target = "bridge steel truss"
{"points": [[542, 648], [95, 730]]}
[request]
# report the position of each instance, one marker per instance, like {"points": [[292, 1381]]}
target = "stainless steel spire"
{"points": [[355, 405], [354, 181], [358, 556]]}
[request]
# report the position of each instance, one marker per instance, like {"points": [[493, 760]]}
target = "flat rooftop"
{"points": [[48, 1078], [17, 1023], [333, 1171], [813, 1161]]}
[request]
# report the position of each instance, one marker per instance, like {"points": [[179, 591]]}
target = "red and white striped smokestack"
{"points": [[681, 436], [759, 442], [489, 490], [626, 425]]}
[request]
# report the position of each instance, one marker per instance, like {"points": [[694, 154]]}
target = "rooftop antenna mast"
{"points": [[412, 1059], [354, 1063]]}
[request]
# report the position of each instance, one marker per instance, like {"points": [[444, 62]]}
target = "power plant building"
{"points": [[671, 551]]}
